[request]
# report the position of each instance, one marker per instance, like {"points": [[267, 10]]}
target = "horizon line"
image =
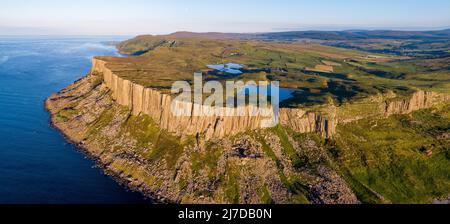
{"points": [[219, 32]]}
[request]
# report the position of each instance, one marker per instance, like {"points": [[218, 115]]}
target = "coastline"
{"points": [[115, 176], [104, 159], [77, 110]]}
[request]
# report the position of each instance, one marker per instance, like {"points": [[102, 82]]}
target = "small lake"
{"points": [[235, 69], [231, 68], [284, 93]]}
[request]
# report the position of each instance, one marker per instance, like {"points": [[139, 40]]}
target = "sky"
{"points": [[132, 17]]}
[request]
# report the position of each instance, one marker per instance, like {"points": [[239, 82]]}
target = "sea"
{"points": [[37, 165]]}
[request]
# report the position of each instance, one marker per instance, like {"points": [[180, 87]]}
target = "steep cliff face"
{"points": [[133, 134], [247, 168], [159, 106], [419, 100], [307, 122]]}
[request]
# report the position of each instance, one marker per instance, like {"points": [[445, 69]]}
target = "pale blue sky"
{"points": [[120, 17]]}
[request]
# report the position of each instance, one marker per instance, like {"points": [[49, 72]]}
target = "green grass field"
{"points": [[405, 158], [162, 60]]}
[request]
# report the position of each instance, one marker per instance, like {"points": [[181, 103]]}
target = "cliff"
{"points": [[418, 100], [324, 121], [248, 168], [158, 106], [131, 132]]}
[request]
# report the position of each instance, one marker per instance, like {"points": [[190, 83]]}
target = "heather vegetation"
{"points": [[404, 157]]}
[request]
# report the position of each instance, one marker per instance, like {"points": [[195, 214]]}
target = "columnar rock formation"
{"points": [[419, 100], [159, 106], [307, 122]]}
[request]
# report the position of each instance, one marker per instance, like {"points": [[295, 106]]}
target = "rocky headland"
{"points": [[130, 130]]}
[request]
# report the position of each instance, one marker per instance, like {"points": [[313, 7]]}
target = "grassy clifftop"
{"points": [[325, 74], [402, 159]]}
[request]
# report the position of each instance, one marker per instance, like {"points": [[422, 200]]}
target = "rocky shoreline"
{"points": [[102, 166], [116, 176], [73, 112]]}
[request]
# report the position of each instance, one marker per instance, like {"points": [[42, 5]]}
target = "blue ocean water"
{"points": [[36, 164]]}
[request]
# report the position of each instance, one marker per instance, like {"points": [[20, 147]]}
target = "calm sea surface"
{"points": [[36, 164]]}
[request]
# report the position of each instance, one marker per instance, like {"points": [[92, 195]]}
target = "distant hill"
{"points": [[424, 44], [211, 35], [144, 43], [357, 34], [319, 35]]}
